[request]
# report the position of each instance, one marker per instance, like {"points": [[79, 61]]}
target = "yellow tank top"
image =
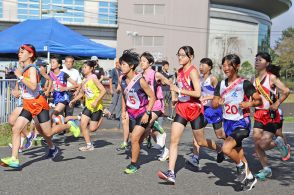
{"points": [[92, 93]]}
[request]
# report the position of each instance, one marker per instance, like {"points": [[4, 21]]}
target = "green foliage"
{"points": [[78, 64], [284, 54], [246, 70], [5, 134]]}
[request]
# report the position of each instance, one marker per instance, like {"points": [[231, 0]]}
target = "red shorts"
{"points": [[263, 116], [35, 106], [189, 111]]}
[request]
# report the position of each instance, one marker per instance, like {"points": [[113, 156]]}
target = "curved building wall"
{"points": [[236, 30]]}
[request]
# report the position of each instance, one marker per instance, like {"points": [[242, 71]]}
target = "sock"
{"points": [[173, 171], [195, 156], [134, 164], [267, 168], [240, 164], [125, 143], [249, 176], [21, 141], [29, 135], [89, 144], [52, 148]]}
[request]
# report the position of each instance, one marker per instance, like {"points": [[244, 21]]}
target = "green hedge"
{"points": [[5, 134]]}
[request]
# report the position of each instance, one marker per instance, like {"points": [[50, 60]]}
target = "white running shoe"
{"points": [[164, 155]]}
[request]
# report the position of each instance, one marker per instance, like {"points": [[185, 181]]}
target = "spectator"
{"points": [[165, 88], [115, 106], [75, 75], [98, 70]]}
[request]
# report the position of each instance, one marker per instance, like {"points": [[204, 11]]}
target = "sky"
{"points": [[280, 23]]}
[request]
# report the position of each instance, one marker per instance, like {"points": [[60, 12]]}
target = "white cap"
{"points": [[94, 58]]}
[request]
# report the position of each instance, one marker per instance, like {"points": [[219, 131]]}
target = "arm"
{"points": [[214, 83], [16, 92], [255, 98], [32, 83], [74, 84], [123, 103], [48, 80], [163, 79], [284, 92], [151, 96], [102, 91], [217, 100]]}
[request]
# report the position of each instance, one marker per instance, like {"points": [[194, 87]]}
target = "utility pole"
{"points": [[40, 9]]}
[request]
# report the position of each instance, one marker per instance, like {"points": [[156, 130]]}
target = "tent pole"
{"points": [[48, 59]]}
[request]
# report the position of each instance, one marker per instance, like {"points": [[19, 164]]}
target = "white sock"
{"points": [[21, 141], [195, 156], [29, 135], [173, 172], [240, 164], [52, 148], [89, 144], [249, 176], [267, 168], [125, 143]]}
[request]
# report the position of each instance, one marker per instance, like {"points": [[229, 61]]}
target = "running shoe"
{"points": [[168, 176], [74, 129], [11, 162], [130, 169], [53, 153], [289, 153], [263, 174], [220, 157], [157, 127], [122, 146], [19, 150], [193, 160], [87, 148], [241, 173], [30, 140], [281, 146], [160, 139], [249, 184], [164, 155]]}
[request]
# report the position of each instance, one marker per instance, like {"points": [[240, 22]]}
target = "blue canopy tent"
{"points": [[49, 36]]}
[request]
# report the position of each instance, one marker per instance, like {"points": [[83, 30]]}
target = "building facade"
{"points": [[213, 28]]}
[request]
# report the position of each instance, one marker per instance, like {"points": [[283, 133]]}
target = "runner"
{"points": [[211, 116], [35, 106], [93, 91], [60, 89], [236, 95], [155, 81], [267, 116], [136, 109], [188, 109]]}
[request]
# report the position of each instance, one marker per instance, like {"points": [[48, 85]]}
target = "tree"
{"points": [[285, 51], [246, 70]]}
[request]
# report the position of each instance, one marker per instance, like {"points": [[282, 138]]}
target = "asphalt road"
{"points": [[101, 171]]}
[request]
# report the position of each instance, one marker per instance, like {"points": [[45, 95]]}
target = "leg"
{"points": [[177, 130], [136, 140], [84, 125], [126, 130]]}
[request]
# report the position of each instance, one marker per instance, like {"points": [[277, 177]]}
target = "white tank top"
{"points": [[267, 88], [231, 109]]}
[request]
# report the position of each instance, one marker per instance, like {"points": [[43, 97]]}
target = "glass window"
{"points": [[73, 9], [103, 10], [138, 41], [158, 41], [148, 41], [138, 9], [149, 9], [103, 4], [159, 9]]}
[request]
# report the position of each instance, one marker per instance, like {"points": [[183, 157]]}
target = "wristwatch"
{"points": [[20, 78], [148, 112]]}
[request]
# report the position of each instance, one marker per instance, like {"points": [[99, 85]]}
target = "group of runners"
{"points": [[198, 98]]}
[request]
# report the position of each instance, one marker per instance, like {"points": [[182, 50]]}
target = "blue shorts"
{"points": [[213, 116], [230, 126], [60, 97]]}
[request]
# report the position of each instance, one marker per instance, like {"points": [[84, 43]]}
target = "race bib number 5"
{"points": [[133, 101]]}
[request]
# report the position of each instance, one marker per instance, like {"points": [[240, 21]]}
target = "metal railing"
{"points": [[7, 101]]}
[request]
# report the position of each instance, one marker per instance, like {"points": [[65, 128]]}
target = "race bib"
{"points": [[182, 98], [133, 100], [232, 111]]}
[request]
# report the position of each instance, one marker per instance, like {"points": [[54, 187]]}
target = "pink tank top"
{"points": [[149, 76]]}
